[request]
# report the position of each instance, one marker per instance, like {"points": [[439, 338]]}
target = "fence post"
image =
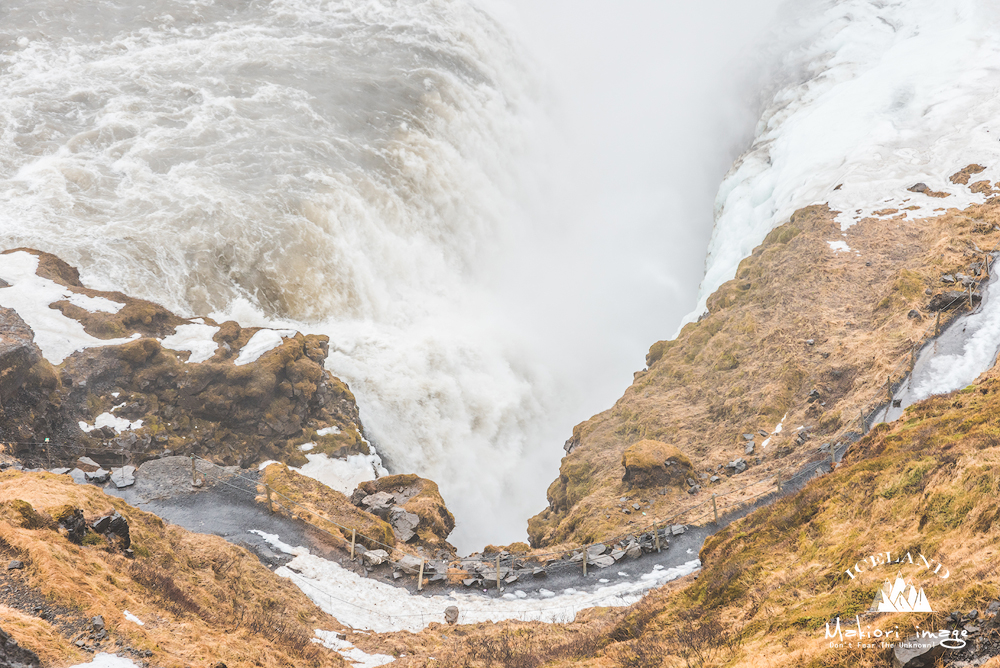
{"points": [[194, 475], [498, 570], [970, 296], [777, 483], [937, 324], [864, 425], [270, 507], [656, 534], [715, 509], [354, 535], [420, 578], [888, 389]]}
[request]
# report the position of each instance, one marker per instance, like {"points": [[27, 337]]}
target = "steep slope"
{"points": [[806, 336]]}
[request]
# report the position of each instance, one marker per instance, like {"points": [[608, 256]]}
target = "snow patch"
{"points": [[196, 339], [109, 420], [306, 447], [103, 660], [261, 342], [357, 657], [132, 618], [30, 295], [328, 431], [839, 246], [343, 475], [94, 304]]}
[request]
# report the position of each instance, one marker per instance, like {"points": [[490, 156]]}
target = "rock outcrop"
{"points": [[412, 505], [655, 464], [143, 399]]}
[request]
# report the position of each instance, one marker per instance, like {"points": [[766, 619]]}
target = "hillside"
{"points": [[788, 356]]}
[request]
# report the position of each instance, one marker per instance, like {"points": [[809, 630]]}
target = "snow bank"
{"points": [[94, 304], [879, 96], [343, 475], [196, 338], [260, 343], [103, 660], [109, 420], [30, 295], [357, 657], [366, 603]]}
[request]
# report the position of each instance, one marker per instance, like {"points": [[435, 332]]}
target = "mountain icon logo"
{"points": [[898, 596]]}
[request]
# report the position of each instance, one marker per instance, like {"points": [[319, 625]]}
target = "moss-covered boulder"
{"points": [[655, 464]]}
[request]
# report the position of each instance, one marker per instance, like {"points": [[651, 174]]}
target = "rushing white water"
{"points": [[381, 173]]}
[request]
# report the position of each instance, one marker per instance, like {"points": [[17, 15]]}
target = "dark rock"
{"points": [[603, 561], [596, 550], [18, 353], [98, 477], [539, 572], [634, 551], [748, 437], [748, 450], [15, 564], [409, 564], [114, 527], [404, 523], [952, 299], [918, 188], [913, 314], [71, 519], [677, 529], [917, 652], [964, 280], [948, 278], [451, 615], [694, 489], [736, 466], [97, 622], [373, 558], [714, 478]]}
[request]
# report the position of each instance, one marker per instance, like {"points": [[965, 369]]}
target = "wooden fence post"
{"points": [[270, 506], [498, 571], [715, 509], [420, 578], [354, 535], [656, 534], [937, 324], [777, 484]]}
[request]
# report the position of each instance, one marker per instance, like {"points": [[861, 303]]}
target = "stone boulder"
{"points": [[651, 463], [404, 524], [18, 352]]}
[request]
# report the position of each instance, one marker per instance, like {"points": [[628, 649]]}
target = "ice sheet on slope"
{"points": [[261, 342], [894, 94], [30, 295], [366, 603], [195, 338]]}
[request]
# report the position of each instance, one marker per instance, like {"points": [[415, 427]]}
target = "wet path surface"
{"points": [[225, 506]]}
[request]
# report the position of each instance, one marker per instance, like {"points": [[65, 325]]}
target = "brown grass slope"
{"points": [[203, 600], [925, 485], [750, 362]]}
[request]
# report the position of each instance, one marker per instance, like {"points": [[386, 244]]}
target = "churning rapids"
{"points": [[394, 174], [367, 170]]}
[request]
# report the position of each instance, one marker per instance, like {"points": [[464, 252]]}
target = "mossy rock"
{"points": [[655, 464]]}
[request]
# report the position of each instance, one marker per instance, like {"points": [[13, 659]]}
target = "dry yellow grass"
{"points": [[747, 363], [203, 600]]}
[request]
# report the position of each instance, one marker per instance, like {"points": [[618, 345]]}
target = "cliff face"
{"points": [[164, 383], [805, 336]]}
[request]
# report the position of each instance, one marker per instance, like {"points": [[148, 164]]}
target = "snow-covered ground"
{"points": [[30, 295], [366, 603], [343, 475], [875, 97]]}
